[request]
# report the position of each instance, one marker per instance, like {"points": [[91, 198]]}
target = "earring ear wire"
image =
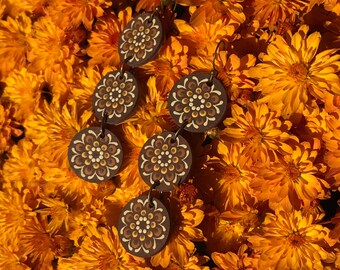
{"points": [[213, 72], [215, 52]]}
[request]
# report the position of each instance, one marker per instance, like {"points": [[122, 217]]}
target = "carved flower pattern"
{"points": [[117, 94], [94, 158], [143, 229], [140, 39], [192, 99], [166, 159]]}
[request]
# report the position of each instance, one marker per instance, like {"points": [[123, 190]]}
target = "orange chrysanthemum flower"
{"points": [[202, 39], [14, 45], [70, 14], [230, 260], [233, 178], [270, 13], [103, 42], [231, 70], [8, 126], [40, 247], [293, 182], [290, 240], [102, 251], [260, 130], [36, 243], [51, 49], [292, 72], [23, 89], [57, 123], [184, 231], [170, 65]]}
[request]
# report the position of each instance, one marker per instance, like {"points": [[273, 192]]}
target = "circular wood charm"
{"points": [[166, 159], [95, 158], [141, 39], [192, 99], [144, 229], [117, 94]]}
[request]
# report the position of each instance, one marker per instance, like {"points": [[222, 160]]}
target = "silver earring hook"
{"points": [[214, 71]]}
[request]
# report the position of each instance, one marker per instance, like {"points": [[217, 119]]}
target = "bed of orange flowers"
{"points": [[264, 188]]}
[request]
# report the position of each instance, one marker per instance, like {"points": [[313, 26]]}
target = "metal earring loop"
{"points": [[154, 185], [180, 130], [103, 123], [121, 69], [157, 10], [214, 71]]}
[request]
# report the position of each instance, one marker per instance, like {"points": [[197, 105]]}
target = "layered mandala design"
{"points": [[141, 39], [144, 229], [195, 100], [95, 158], [117, 95], [165, 159]]}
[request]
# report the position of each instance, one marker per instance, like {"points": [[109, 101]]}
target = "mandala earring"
{"points": [[141, 39], [199, 98], [116, 96], [95, 154], [144, 226], [165, 158]]}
